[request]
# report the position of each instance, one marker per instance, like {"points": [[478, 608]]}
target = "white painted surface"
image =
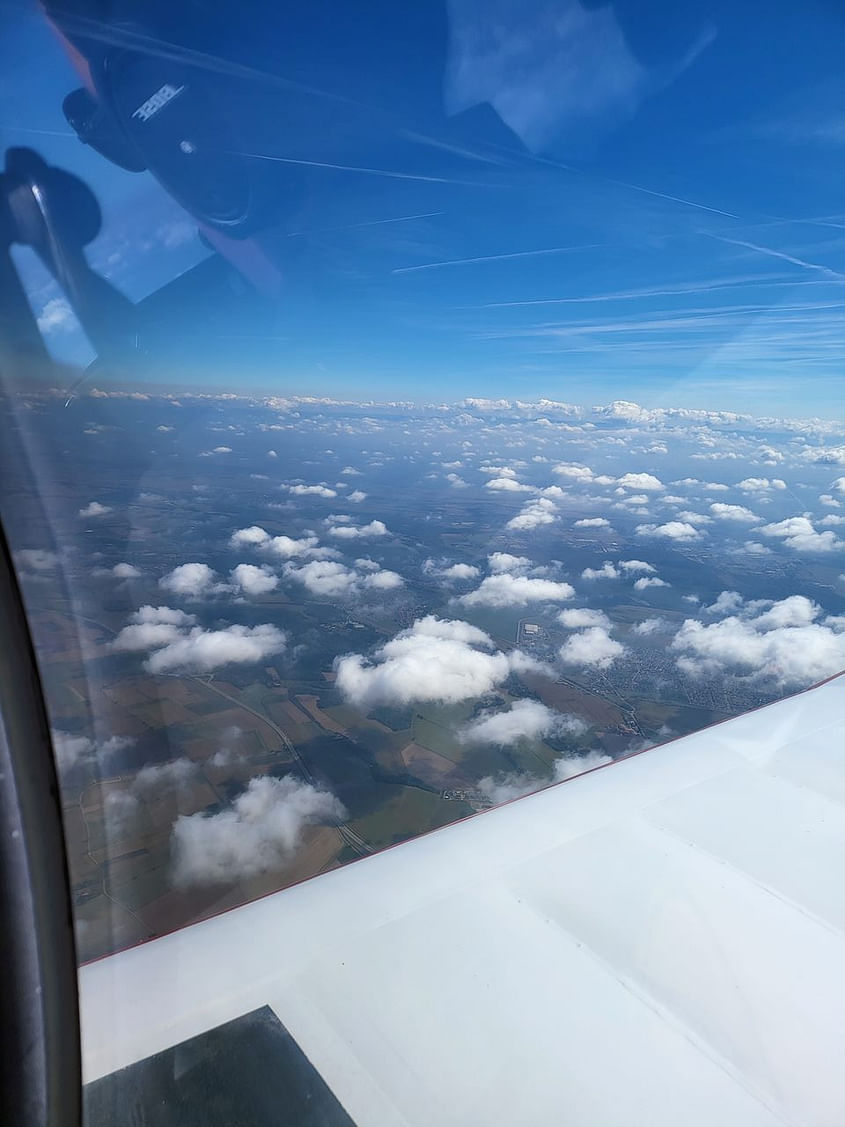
{"points": [[661, 941]]}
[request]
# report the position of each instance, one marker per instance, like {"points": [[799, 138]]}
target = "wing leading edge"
{"points": [[658, 941]]}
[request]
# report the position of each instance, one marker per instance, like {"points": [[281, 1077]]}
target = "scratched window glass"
{"points": [[407, 407]]}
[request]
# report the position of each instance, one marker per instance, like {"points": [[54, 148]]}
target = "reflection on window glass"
{"points": [[435, 427]]}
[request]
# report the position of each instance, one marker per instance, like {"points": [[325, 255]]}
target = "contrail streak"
{"points": [[495, 257], [367, 171], [668, 291], [40, 132], [666, 196], [621, 183], [367, 223], [826, 270]]}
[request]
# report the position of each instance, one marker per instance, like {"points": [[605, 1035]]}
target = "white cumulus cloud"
{"points": [[260, 832], [641, 481], [456, 571], [671, 530], [312, 491], [204, 650], [504, 788], [74, 749], [574, 471], [358, 532], [635, 567], [248, 537], [733, 512], [650, 626], [523, 720], [253, 580], [534, 514], [760, 484], [331, 579], [95, 509], [191, 581], [799, 533], [782, 644], [504, 561], [507, 485], [508, 590], [577, 617], [433, 660], [592, 649], [606, 571]]}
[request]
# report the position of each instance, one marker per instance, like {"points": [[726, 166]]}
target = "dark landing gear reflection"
{"points": [[247, 1073]]}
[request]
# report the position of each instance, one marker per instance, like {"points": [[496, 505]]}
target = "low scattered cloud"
{"points": [[577, 617], [176, 643], [523, 720], [150, 627], [71, 749], [289, 547], [505, 788], [450, 572], [504, 589], [434, 660], [781, 643], [574, 471], [332, 579], [534, 514], [253, 580], [254, 535], [375, 528], [591, 649], [606, 571], [799, 534], [95, 509], [649, 581], [192, 581], [592, 522], [826, 455], [171, 774], [733, 512], [507, 485], [311, 491], [119, 571], [641, 482], [504, 561], [326, 578], [356, 496], [636, 567], [650, 626], [261, 831], [126, 571], [726, 603], [760, 484], [671, 530]]}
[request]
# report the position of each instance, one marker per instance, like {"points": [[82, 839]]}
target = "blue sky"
{"points": [[518, 199]]}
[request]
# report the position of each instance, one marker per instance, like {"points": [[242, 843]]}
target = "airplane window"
{"points": [[405, 408]]}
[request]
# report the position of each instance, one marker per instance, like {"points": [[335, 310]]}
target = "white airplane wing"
{"points": [[661, 941]]}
